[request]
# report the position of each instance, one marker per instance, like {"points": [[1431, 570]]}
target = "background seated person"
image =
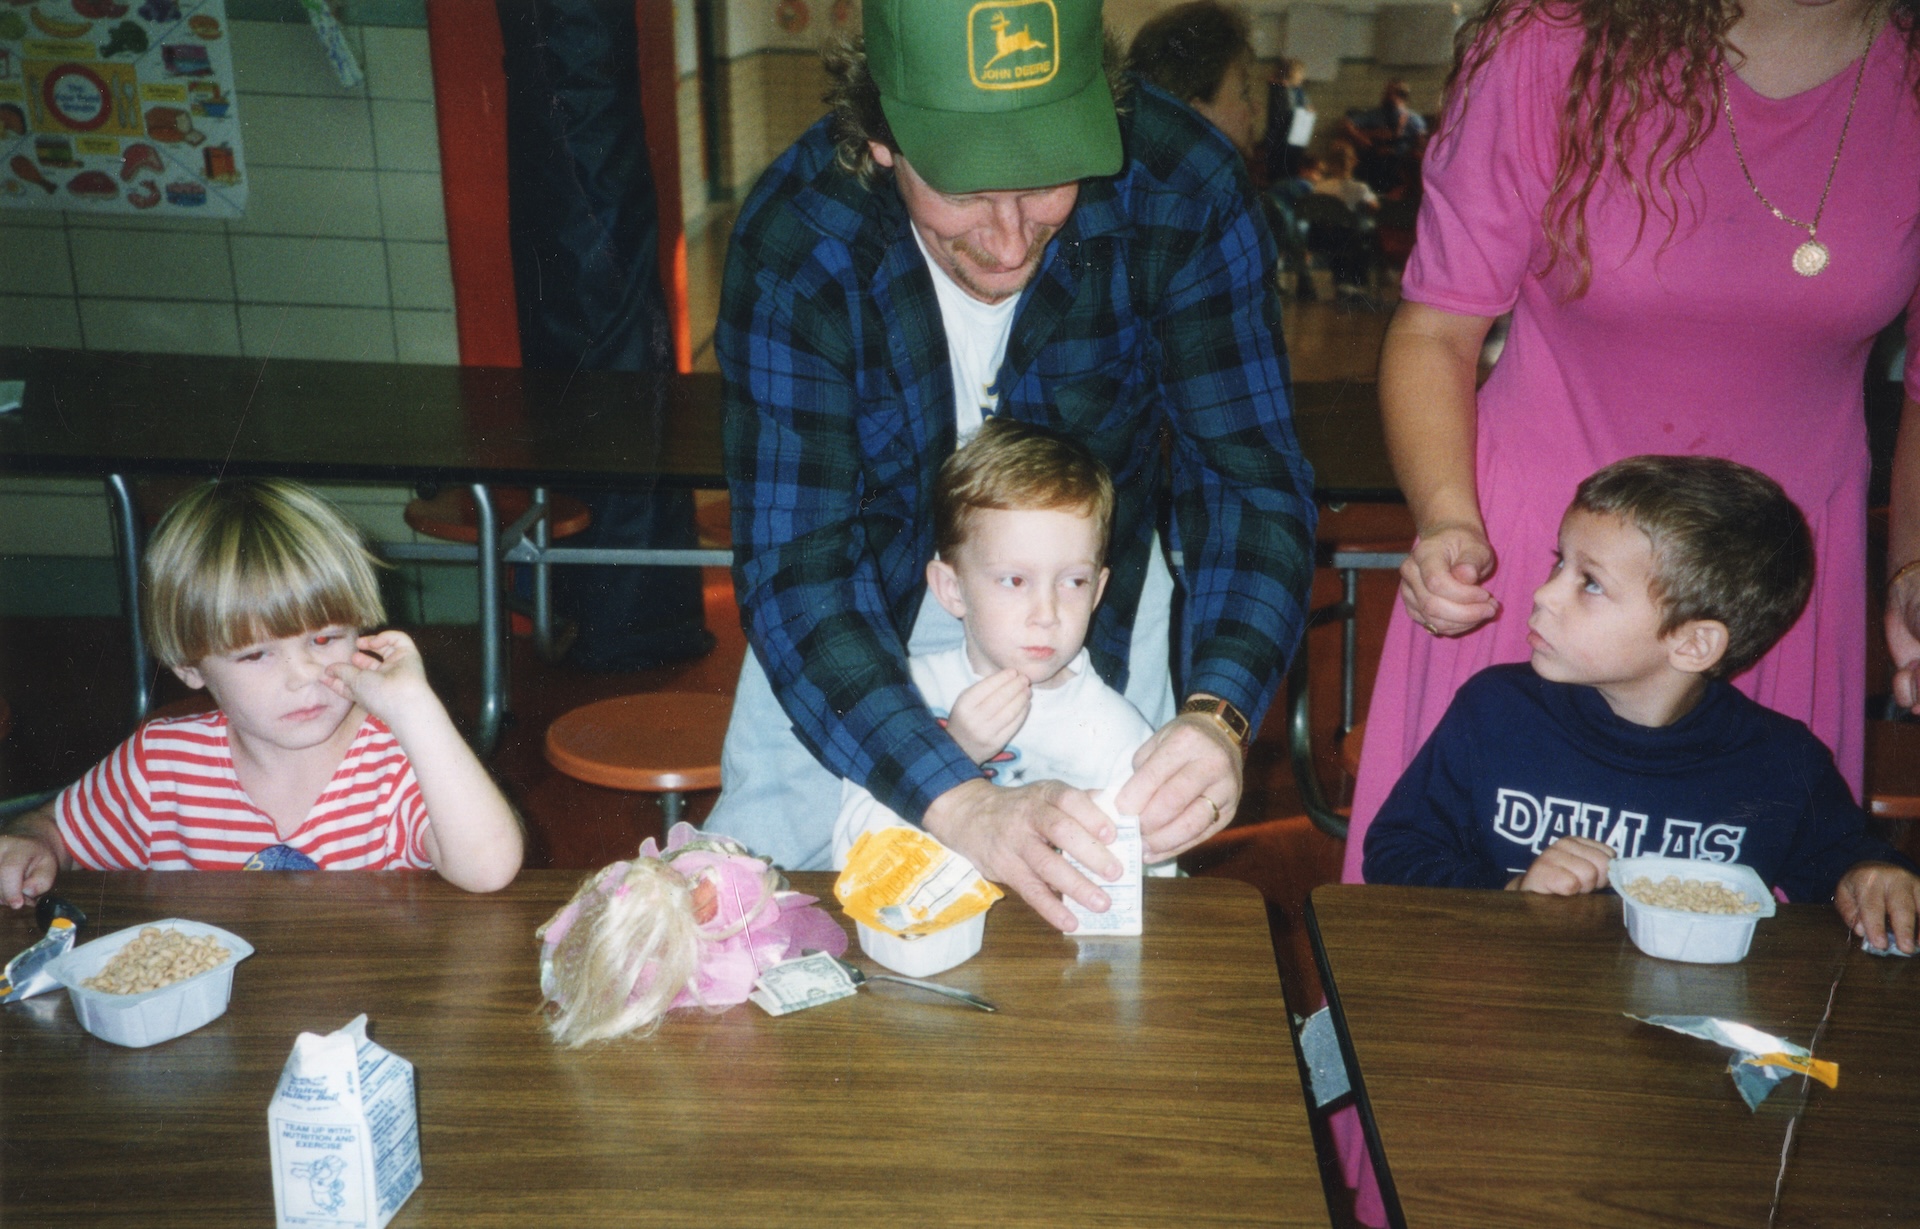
{"points": [[1389, 139]]}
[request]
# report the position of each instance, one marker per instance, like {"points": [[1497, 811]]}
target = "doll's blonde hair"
{"points": [[633, 943]]}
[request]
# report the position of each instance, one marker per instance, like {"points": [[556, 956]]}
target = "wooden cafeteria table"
{"points": [[1503, 1086], [1124, 1082]]}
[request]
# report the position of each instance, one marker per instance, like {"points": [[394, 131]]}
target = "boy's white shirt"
{"points": [[1082, 732], [976, 345]]}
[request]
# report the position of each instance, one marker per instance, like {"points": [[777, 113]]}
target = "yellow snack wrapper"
{"points": [[904, 882], [1826, 1072]]}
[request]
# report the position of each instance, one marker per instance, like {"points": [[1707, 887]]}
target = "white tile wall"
{"points": [[35, 261], [54, 516], [289, 200], [286, 58], [338, 272], [290, 130], [151, 264], [426, 337], [160, 326], [404, 135], [397, 63], [354, 334], [422, 275], [412, 206], [26, 321]]}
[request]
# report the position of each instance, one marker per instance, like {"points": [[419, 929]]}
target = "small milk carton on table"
{"points": [[345, 1133]]}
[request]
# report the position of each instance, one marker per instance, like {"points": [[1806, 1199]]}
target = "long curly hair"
{"points": [[1638, 59]]}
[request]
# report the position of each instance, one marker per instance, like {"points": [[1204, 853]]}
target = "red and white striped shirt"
{"points": [[169, 799]]}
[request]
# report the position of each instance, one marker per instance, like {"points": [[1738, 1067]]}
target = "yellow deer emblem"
{"points": [[1005, 44]]}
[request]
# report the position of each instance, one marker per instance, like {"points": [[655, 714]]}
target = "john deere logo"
{"points": [[1013, 46]]}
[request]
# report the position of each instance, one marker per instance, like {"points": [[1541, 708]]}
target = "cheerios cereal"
{"points": [[157, 958], [1692, 895]]}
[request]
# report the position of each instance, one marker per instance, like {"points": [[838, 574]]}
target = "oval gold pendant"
{"points": [[1810, 258]]}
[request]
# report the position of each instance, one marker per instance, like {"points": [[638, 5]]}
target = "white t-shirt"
{"points": [[1082, 732], [976, 342]]}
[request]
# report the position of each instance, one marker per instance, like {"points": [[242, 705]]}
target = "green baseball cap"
{"points": [[995, 95]]}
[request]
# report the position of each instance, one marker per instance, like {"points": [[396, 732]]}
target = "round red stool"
{"points": [[664, 743]]}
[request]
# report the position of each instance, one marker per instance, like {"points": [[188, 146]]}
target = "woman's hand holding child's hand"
{"points": [[386, 677], [1571, 866], [1443, 580], [987, 715], [1881, 901]]}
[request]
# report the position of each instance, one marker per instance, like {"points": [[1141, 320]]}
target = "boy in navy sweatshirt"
{"points": [[1622, 736]]}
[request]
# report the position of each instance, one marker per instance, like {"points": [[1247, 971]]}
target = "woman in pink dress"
{"points": [[1688, 328], [1588, 179]]}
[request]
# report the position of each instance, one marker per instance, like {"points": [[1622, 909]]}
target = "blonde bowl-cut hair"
{"points": [[1017, 467], [241, 560]]}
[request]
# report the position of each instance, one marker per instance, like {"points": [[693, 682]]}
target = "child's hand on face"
{"points": [[987, 715], [1571, 866], [386, 677], [1881, 902]]}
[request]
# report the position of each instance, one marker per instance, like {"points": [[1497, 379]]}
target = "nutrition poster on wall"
{"points": [[109, 108]]}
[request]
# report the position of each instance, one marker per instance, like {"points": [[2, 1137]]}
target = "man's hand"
{"points": [[1185, 785], [1880, 901], [1571, 866], [1013, 835], [987, 715]]}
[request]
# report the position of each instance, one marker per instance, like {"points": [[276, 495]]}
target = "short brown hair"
{"points": [[1188, 49], [243, 560], [1728, 545], [1016, 467]]}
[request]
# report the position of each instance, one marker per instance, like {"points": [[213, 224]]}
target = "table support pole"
{"points": [[493, 633], [543, 576], [126, 534]]}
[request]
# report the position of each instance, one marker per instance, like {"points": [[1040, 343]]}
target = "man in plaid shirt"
{"points": [[977, 229]]}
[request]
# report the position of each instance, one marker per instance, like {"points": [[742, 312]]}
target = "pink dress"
{"points": [[1707, 342]]}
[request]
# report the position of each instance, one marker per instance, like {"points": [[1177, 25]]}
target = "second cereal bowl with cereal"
{"points": [[171, 977], [1699, 912]]}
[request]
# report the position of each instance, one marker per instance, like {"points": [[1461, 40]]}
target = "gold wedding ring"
{"points": [[1216, 807]]}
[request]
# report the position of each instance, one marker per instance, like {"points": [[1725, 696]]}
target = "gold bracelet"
{"points": [[1903, 573]]}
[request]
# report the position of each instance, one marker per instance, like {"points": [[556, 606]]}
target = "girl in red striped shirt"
{"points": [[328, 750]]}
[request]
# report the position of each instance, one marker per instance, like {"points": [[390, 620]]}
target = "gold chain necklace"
{"points": [[1811, 257]]}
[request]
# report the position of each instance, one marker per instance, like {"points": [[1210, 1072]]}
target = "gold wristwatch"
{"points": [[1230, 719]]}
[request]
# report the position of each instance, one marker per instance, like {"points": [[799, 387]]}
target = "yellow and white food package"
{"points": [[344, 1131], [1123, 915], [919, 907]]}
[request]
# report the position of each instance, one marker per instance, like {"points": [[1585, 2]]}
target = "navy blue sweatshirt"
{"points": [[1518, 762]]}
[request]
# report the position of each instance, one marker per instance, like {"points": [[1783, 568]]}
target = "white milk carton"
{"points": [[344, 1132], [1123, 915]]}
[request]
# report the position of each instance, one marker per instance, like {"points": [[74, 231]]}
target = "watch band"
{"points": [[1231, 719]]}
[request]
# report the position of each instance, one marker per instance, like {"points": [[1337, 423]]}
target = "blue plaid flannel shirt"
{"points": [[1154, 309]]}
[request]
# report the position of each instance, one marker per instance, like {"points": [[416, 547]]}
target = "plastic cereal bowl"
{"points": [[1682, 934], [924, 955], [157, 1015]]}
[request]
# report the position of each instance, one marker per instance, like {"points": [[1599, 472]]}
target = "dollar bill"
{"points": [[805, 981]]}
